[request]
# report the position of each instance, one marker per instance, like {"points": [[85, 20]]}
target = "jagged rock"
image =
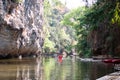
{"points": [[21, 27]]}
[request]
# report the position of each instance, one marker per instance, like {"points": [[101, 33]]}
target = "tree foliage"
{"points": [[78, 24], [16, 1], [103, 13], [116, 18], [84, 20], [73, 19], [56, 35]]}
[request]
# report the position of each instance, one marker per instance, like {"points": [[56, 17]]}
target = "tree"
{"points": [[72, 19], [101, 19], [56, 34], [95, 27]]}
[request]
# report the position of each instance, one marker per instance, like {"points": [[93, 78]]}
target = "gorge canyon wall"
{"points": [[21, 27]]}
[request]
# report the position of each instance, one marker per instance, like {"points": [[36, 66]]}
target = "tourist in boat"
{"points": [[60, 58]]}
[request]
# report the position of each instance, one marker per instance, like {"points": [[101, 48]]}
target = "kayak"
{"points": [[114, 61], [107, 60]]}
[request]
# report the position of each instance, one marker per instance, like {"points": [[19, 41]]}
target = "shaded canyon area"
{"points": [[105, 40]]}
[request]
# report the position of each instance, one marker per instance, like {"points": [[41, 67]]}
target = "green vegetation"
{"points": [[57, 35], [116, 18], [74, 20], [96, 19], [88, 20], [16, 1], [80, 28]]}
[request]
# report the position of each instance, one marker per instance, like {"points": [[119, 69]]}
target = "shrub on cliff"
{"points": [[16, 1]]}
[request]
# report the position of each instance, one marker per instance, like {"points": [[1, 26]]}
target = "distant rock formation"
{"points": [[21, 28]]}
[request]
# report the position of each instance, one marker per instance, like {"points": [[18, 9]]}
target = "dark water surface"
{"points": [[52, 69]]}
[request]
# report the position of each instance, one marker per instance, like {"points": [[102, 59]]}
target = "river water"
{"points": [[52, 69]]}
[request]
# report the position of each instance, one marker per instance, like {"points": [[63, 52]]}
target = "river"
{"points": [[45, 68]]}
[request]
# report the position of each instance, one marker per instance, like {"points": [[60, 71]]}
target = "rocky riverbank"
{"points": [[112, 76]]}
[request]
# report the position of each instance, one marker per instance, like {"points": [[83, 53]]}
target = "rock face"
{"points": [[21, 27], [106, 40]]}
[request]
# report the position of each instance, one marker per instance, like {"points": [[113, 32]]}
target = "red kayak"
{"points": [[107, 60], [115, 61]]}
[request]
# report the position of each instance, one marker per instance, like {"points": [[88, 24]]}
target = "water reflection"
{"points": [[25, 69], [52, 69], [73, 69]]}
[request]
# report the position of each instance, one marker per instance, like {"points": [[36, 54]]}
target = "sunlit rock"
{"points": [[21, 27]]}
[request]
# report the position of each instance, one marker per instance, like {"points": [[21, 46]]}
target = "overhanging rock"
{"points": [[21, 30]]}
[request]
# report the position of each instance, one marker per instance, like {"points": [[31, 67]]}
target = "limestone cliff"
{"points": [[21, 27], [105, 40]]}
